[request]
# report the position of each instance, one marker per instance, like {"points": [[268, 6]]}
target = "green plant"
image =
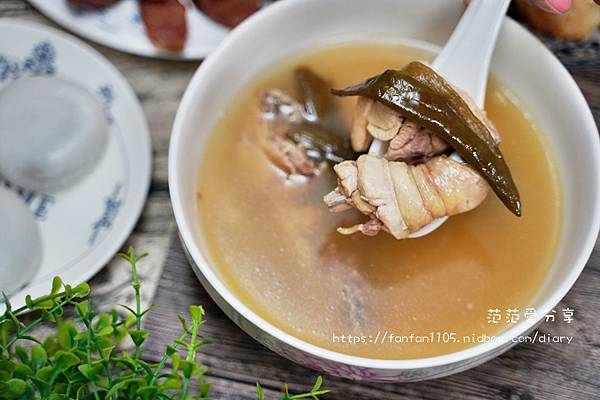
{"points": [[82, 358]]}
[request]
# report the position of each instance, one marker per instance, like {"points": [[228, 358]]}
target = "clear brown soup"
{"points": [[274, 243]]}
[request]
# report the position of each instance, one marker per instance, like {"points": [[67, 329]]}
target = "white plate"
{"points": [[120, 27], [83, 226]]}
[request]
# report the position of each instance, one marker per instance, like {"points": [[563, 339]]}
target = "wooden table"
{"points": [[528, 371]]}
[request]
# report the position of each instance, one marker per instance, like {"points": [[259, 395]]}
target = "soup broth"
{"points": [[275, 244]]}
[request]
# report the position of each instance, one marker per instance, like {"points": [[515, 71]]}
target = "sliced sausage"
{"points": [[228, 12], [165, 23], [92, 3]]}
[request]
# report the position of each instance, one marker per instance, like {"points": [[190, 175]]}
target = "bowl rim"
{"points": [[473, 352]]}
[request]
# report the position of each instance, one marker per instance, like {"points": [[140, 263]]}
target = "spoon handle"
{"points": [[465, 59]]}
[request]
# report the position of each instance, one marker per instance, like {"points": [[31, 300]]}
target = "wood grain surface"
{"points": [[528, 371]]}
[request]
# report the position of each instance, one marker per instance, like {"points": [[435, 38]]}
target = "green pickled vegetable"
{"points": [[320, 144], [316, 95], [423, 96], [321, 134]]}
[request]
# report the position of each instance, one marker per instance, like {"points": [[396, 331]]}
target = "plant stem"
{"points": [[90, 333], [191, 355], [32, 325], [138, 301], [163, 361]]}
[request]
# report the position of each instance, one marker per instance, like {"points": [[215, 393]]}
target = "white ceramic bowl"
{"points": [[520, 61]]}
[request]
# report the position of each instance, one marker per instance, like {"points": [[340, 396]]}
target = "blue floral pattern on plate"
{"points": [[40, 62]]}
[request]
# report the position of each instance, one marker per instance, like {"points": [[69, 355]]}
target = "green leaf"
{"points": [[41, 385], [4, 375], [22, 371], [147, 392], [91, 372], [81, 290], [204, 389], [123, 385], [13, 388], [56, 285], [116, 388], [317, 384], [107, 330], [22, 354], [38, 357], [103, 342], [44, 374], [106, 352], [127, 361], [197, 312], [48, 316], [31, 339], [128, 309], [175, 361], [183, 322], [259, 392], [44, 304], [170, 350], [29, 302], [171, 384], [138, 337], [7, 365], [187, 367], [81, 392], [102, 321], [51, 345], [147, 310], [64, 360], [145, 367], [83, 308], [66, 333]]}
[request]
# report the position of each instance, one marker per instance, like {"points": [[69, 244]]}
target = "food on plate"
{"points": [[578, 23], [275, 243], [53, 132], [91, 3], [165, 23], [228, 12], [21, 246]]}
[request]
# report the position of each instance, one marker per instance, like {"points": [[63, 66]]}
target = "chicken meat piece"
{"points": [[279, 110], [288, 156], [414, 142], [406, 140], [280, 106], [373, 120], [401, 198]]}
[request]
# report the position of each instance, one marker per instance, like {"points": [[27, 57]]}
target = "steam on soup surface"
{"points": [[275, 244]]}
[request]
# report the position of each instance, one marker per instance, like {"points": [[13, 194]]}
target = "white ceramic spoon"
{"points": [[465, 63]]}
